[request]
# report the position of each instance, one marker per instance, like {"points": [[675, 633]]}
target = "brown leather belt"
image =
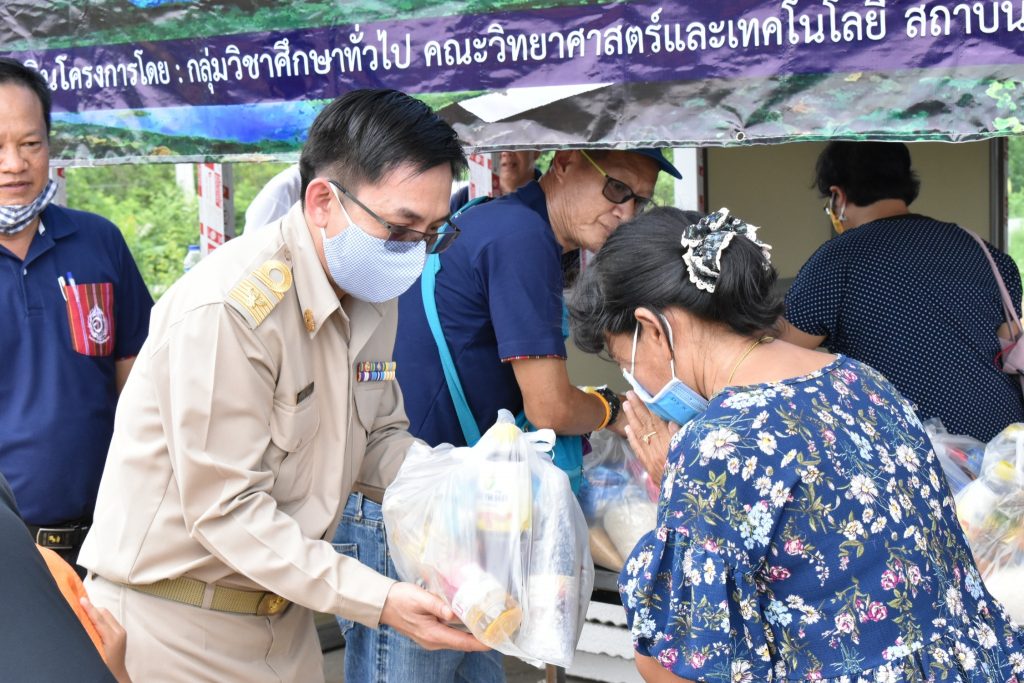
{"points": [[370, 492]]}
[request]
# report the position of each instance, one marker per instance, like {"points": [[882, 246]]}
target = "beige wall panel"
{"points": [[769, 185]]}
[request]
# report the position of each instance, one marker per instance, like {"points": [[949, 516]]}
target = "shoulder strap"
{"points": [[1008, 311], [470, 429], [428, 285]]}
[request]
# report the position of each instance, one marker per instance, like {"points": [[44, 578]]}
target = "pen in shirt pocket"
{"points": [[61, 284], [74, 289]]}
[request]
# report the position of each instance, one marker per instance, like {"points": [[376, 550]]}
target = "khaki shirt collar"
{"points": [[313, 286], [316, 296]]}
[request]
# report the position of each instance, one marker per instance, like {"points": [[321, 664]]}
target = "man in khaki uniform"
{"points": [[261, 395]]}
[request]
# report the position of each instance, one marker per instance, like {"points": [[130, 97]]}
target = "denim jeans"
{"points": [[383, 655]]}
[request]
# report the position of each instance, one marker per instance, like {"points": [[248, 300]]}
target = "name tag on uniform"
{"points": [[376, 371], [304, 394]]}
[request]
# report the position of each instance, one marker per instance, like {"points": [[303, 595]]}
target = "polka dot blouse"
{"points": [[916, 299]]}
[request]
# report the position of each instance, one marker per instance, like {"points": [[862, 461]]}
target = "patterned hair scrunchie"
{"points": [[705, 241]]}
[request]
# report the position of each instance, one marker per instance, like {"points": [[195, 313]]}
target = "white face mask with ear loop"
{"points": [[370, 268]]}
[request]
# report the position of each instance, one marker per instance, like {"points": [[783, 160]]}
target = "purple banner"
{"points": [[641, 42]]}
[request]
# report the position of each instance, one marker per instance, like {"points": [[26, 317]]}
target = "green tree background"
{"points": [[156, 217], [1016, 200], [159, 221]]}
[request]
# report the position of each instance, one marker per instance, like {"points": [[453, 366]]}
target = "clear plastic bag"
{"points": [[991, 511], [495, 530], [618, 498], [959, 455]]}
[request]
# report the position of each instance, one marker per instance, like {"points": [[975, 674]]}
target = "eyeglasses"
{"points": [[618, 192], [436, 241]]}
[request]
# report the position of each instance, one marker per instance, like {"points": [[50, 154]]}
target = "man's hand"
{"points": [[115, 640], [419, 615]]}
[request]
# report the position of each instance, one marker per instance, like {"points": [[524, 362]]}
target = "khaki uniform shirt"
{"points": [[242, 429]]}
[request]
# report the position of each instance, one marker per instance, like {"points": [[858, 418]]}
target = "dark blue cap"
{"points": [[656, 154]]}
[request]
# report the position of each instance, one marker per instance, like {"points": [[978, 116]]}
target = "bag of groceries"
{"points": [[495, 530], [618, 498], [991, 511], [960, 455]]}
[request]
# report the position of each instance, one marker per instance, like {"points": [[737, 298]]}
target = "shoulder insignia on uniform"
{"points": [[276, 276], [258, 292]]}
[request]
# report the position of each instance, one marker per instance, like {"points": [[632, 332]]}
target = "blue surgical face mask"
{"points": [[370, 268], [676, 402]]}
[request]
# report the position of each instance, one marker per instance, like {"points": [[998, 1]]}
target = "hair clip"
{"points": [[705, 241]]}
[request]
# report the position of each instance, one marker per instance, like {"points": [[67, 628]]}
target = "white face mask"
{"points": [[370, 268]]}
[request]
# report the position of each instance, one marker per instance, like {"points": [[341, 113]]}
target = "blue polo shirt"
{"points": [[499, 297], [59, 391]]}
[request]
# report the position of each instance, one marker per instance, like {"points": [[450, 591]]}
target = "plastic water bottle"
{"points": [[192, 257]]}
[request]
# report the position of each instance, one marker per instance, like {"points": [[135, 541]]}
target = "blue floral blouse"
{"points": [[806, 533]]}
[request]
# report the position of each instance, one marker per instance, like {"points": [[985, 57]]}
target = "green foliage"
{"points": [[1016, 166], [1016, 200], [157, 219], [664, 189]]}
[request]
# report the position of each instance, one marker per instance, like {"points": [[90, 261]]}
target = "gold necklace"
{"points": [[753, 345]]}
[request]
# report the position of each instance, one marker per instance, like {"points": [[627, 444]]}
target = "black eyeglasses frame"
{"points": [[436, 242]]}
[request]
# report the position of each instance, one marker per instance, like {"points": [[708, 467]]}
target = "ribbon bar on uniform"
{"points": [[376, 371]]}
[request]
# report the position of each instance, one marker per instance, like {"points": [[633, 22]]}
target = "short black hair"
{"points": [[364, 134], [867, 171], [641, 266], [13, 71]]}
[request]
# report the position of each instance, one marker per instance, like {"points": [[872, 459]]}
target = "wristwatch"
{"points": [[613, 406]]}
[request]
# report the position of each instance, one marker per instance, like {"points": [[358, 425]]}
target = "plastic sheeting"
{"points": [[188, 80]]}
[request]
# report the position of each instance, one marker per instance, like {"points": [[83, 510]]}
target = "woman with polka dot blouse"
{"points": [[911, 296]]}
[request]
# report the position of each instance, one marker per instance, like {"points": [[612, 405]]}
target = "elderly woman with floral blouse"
{"points": [[805, 530]]}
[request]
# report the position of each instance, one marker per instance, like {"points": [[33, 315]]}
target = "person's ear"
{"points": [[837, 199], [319, 199], [652, 331], [562, 162]]}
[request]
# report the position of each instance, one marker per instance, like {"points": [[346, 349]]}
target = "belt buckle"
{"points": [[271, 604], [56, 538]]}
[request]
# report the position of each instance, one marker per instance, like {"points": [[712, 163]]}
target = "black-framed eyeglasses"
{"points": [[436, 242], [618, 192]]}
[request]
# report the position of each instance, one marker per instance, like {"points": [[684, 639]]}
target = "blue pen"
{"points": [[71, 281]]}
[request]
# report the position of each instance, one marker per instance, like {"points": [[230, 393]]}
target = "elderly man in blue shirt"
{"points": [[75, 313]]}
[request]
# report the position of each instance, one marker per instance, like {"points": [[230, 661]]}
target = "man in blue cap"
{"points": [[495, 298]]}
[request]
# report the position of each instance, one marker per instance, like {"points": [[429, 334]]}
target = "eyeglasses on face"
{"points": [[436, 241], [618, 192]]}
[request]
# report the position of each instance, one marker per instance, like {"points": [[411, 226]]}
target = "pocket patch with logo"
{"points": [[91, 318]]}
